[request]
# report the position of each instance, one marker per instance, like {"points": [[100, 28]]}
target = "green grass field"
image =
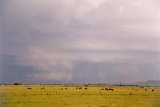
{"points": [[69, 96]]}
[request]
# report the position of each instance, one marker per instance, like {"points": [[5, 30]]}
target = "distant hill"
{"points": [[148, 83]]}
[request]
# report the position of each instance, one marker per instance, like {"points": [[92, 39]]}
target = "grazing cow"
{"points": [[65, 88], [86, 85], [29, 88], [106, 89], [111, 89], [85, 88], [42, 88], [48, 94], [152, 90], [78, 87]]}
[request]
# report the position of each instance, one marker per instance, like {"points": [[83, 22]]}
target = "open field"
{"points": [[78, 96]]}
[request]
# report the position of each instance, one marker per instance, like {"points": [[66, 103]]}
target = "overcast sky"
{"points": [[79, 41]]}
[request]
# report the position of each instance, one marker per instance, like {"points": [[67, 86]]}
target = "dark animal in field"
{"points": [[145, 89], [102, 89], [65, 88], [106, 89], [152, 90], [85, 88], [111, 89], [78, 87], [42, 88], [48, 94], [29, 88]]}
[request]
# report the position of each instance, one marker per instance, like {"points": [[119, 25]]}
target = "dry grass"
{"points": [[69, 96]]}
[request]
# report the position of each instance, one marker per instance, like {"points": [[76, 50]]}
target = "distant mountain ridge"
{"points": [[148, 83]]}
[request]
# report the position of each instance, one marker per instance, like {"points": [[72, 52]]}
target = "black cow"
{"points": [[78, 87], [42, 88], [106, 89], [111, 89]]}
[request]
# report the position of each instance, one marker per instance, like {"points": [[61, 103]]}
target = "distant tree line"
{"points": [[16, 83]]}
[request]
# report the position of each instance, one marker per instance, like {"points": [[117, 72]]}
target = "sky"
{"points": [[79, 41]]}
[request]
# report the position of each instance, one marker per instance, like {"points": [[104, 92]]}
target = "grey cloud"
{"points": [[114, 72], [94, 41], [11, 72]]}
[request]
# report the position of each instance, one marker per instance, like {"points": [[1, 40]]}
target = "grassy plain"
{"points": [[69, 96]]}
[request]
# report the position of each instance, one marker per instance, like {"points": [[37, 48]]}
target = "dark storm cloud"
{"points": [[79, 40], [13, 72]]}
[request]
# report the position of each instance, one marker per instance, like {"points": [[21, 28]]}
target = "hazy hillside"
{"points": [[148, 83]]}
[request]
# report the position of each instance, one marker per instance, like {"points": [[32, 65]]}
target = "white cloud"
{"points": [[138, 3]]}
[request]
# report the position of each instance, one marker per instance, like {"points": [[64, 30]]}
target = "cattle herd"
{"points": [[86, 88], [108, 89]]}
